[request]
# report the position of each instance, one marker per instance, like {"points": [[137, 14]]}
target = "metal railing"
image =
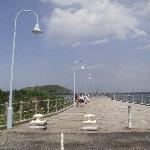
{"points": [[25, 110], [137, 98]]}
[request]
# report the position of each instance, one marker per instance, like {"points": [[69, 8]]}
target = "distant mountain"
{"points": [[51, 89]]}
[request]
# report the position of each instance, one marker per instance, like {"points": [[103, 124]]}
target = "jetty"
{"points": [[113, 132]]}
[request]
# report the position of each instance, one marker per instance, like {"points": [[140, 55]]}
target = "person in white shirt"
{"points": [[86, 99]]}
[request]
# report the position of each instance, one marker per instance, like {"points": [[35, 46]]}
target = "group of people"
{"points": [[81, 100]]}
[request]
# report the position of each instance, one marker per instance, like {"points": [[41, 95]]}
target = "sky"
{"points": [[110, 37]]}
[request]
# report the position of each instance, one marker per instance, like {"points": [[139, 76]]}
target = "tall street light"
{"points": [[92, 79], [84, 69], [35, 30], [74, 82], [74, 88]]}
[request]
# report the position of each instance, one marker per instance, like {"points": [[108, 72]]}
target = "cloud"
{"points": [[76, 44], [142, 8], [97, 67], [124, 76], [72, 2], [147, 47], [92, 20], [44, 1], [144, 47], [99, 41], [44, 61]]}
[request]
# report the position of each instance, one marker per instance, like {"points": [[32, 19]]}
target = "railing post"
{"points": [[114, 96], [133, 98], [63, 102], [60, 105], [142, 101], [126, 98], [56, 105], [62, 141], [20, 111], [129, 118], [47, 106], [147, 103], [6, 106], [70, 103], [36, 105]]}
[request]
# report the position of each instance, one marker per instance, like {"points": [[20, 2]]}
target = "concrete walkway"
{"points": [[111, 115], [112, 134]]}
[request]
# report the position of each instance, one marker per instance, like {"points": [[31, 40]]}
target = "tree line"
{"points": [[39, 93]]}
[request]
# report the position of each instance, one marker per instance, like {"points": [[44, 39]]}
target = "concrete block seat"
{"points": [[38, 123]]}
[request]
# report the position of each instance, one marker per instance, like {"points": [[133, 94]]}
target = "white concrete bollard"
{"points": [[89, 124], [38, 123], [62, 141], [129, 118]]}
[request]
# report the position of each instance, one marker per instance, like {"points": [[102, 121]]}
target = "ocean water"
{"points": [[68, 97], [140, 98]]}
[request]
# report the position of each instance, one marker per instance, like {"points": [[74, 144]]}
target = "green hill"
{"points": [[37, 92], [51, 89]]}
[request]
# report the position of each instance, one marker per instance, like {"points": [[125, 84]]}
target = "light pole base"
{"points": [[75, 104], [9, 117]]}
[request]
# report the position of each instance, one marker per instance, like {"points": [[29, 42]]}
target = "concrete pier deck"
{"points": [[112, 134], [111, 116]]}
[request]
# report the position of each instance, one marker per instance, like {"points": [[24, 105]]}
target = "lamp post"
{"points": [[92, 80], [35, 30], [83, 69], [74, 88], [74, 82]]}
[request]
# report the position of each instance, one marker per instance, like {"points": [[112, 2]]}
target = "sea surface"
{"points": [[139, 97]]}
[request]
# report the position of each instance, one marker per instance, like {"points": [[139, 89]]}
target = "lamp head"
{"points": [[90, 78], [82, 68], [37, 29]]}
